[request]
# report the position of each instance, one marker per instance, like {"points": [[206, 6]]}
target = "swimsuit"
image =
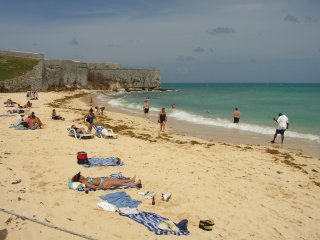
{"points": [[102, 180], [89, 118], [163, 118]]}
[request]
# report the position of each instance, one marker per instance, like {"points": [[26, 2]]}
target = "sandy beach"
{"points": [[251, 191]]}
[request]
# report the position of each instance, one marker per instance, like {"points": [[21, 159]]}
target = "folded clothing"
{"points": [[121, 200]]}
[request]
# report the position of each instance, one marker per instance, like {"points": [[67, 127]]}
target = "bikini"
{"points": [[91, 181]]}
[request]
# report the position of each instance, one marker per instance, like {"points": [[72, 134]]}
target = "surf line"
{"points": [[23, 217]]}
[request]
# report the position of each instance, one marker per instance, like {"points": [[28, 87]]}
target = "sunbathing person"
{"points": [[19, 111], [105, 182], [79, 130], [54, 116], [10, 103]]}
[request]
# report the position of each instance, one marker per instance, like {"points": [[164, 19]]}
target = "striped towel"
{"points": [[152, 220], [98, 162], [114, 176]]}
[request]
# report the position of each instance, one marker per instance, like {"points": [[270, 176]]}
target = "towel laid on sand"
{"points": [[120, 200], [99, 162], [152, 221], [115, 176]]}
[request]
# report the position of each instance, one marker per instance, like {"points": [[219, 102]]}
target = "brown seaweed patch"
{"points": [[60, 102], [272, 151], [313, 170], [298, 166], [287, 156], [210, 145], [316, 183], [247, 147], [194, 142], [180, 142]]}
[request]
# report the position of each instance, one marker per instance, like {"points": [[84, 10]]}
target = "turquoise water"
{"points": [[211, 104]]}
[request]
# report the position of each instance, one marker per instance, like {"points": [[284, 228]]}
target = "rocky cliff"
{"points": [[67, 74]]}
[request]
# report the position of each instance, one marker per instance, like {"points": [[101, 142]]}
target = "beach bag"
{"points": [[82, 158]]}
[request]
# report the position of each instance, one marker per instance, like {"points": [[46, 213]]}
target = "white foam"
{"points": [[122, 104], [200, 120]]}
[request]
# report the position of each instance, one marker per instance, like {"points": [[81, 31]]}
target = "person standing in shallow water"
{"points": [[236, 115], [283, 125], [162, 119], [146, 107]]}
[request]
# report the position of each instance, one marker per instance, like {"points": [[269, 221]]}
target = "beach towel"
{"points": [[98, 162], [120, 200], [152, 221], [114, 176]]}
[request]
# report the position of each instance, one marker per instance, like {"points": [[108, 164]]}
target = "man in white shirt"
{"points": [[283, 125]]}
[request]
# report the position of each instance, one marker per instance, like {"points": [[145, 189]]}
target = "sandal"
{"points": [[208, 222], [205, 227]]}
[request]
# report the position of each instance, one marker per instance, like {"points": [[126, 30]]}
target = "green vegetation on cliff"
{"points": [[11, 67]]}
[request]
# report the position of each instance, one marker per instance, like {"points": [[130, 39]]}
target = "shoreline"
{"points": [[207, 179], [225, 135]]}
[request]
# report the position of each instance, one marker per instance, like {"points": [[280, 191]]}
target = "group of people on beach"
{"points": [[32, 94], [282, 120], [162, 116]]}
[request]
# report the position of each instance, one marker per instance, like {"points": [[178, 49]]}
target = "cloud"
{"points": [[199, 50], [185, 58], [182, 70], [311, 19], [74, 42], [291, 18], [211, 50], [221, 30]]}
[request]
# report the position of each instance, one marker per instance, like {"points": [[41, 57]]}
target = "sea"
{"points": [[211, 105]]}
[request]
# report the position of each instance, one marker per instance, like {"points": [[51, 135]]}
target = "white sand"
{"points": [[250, 193]]}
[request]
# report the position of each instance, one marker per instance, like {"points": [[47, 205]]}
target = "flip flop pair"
{"points": [[206, 224]]}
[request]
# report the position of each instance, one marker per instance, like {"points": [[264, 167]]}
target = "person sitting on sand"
{"points": [[54, 116], [28, 105], [78, 130], [33, 121], [89, 119], [105, 182]]}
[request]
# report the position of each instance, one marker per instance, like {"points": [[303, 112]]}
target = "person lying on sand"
{"points": [[105, 182]]}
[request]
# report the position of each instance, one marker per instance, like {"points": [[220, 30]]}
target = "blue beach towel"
{"points": [[121, 200], [98, 162], [114, 176], [152, 220]]}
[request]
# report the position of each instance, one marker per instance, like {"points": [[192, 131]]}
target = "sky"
{"points": [[187, 40]]}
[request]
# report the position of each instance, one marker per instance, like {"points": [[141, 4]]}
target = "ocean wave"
{"points": [[122, 104], [218, 122]]}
